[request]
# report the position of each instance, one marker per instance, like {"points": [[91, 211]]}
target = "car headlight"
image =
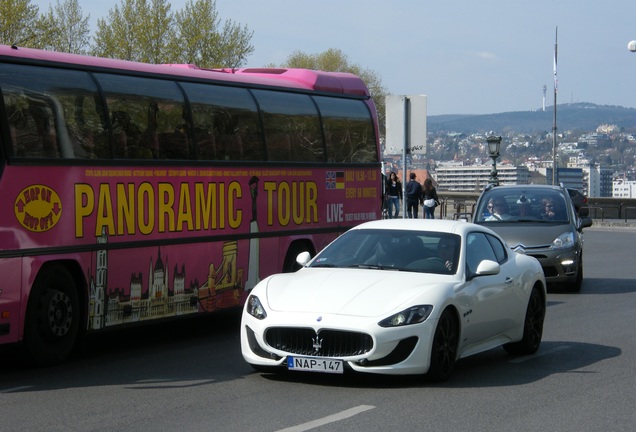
{"points": [[412, 315], [255, 308], [565, 240]]}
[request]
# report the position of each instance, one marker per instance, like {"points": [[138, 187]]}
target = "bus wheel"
{"points": [[52, 318]]}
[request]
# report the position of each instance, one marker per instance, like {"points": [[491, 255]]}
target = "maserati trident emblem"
{"points": [[317, 343]]}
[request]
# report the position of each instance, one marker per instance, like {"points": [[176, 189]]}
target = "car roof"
{"points": [[526, 186], [436, 225]]}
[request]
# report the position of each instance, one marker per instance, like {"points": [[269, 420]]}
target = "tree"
{"points": [[18, 22], [136, 31], [67, 30], [334, 60], [201, 41]]}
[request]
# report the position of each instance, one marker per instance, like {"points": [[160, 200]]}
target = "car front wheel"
{"points": [[444, 349]]}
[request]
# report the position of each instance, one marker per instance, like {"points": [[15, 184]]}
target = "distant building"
{"points": [[570, 177], [623, 188], [475, 178], [597, 181]]}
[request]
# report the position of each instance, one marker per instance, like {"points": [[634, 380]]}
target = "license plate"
{"points": [[311, 364]]}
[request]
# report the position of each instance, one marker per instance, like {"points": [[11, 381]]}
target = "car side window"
{"points": [[478, 248], [498, 248]]}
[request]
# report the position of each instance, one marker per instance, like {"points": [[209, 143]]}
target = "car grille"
{"points": [[326, 343]]}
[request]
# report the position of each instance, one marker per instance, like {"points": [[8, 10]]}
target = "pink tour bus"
{"points": [[132, 192]]}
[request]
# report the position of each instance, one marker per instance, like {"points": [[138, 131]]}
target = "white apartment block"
{"points": [[475, 178], [623, 188]]}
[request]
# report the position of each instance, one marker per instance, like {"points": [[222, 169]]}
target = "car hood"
{"points": [[358, 292], [529, 234]]}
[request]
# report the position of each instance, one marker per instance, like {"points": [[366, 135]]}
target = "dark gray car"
{"points": [[540, 221]]}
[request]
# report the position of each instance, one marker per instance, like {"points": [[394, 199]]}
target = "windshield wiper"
{"points": [[374, 267]]}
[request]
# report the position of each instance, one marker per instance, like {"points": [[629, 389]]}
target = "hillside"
{"points": [[583, 117]]}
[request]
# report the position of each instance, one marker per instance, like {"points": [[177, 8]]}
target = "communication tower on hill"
{"points": [[544, 90]]}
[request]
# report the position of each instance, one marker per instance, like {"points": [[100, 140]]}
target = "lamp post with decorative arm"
{"points": [[494, 144]]}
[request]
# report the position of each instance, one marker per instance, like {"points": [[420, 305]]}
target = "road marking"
{"points": [[542, 353], [329, 419]]}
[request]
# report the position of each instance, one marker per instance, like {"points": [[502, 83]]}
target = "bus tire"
{"points": [[52, 317], [294, 250]]}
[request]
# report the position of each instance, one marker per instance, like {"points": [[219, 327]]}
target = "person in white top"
{"points": [[498, 210]]}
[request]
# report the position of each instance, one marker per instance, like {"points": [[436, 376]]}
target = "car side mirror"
{"points": [[303, 258], [585, 222], [488, 268]]}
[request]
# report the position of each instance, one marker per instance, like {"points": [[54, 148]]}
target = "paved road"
{"points": [[191, 377]]}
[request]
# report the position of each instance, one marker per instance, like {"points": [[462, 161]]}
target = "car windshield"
{"points": [[522, 205], [402, 250]]}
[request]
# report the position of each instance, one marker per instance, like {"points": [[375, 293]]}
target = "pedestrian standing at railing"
{"points": [[430, 199], [394, 194], [414, 195]]}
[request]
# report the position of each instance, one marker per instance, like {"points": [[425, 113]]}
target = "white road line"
{"points": [[329, 419], [542, 353]]}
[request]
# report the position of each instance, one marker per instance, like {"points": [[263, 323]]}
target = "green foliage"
{"points": [[18, 22], [202, 40], [65, 28], [138, 30]]}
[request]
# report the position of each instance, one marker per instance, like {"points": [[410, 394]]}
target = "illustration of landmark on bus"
{"points": [[162, 294]]}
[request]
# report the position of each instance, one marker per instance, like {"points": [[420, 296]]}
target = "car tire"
{"points": [[444, 348], [532, 326]]}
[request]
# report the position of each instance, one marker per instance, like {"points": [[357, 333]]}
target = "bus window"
{"points": [[146, 117], [226, 125], [53, 113], [292, 127], [348, 129]]}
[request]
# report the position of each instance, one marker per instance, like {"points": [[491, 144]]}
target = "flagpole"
{"points": [[554, 120]]}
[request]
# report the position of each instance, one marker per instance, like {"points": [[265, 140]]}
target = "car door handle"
{"points": [[509, 280]]}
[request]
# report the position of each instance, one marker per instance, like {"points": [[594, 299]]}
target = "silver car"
{"points": [[540, 221]]}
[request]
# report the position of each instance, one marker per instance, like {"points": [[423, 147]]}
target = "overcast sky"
{"points": [[467, 56]]}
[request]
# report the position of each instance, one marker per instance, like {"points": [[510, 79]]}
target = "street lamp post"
{"points": [[494, 144]]}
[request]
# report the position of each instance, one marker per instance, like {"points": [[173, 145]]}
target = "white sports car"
{"points": [[400, 296]]}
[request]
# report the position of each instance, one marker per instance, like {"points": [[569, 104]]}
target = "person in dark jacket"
{"points": [[394, 195], [413, 191], [430, 199]]}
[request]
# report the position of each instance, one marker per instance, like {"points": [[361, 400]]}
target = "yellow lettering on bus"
{"points": [[203, 208], [312, 205], [125, 209], [297, 202], [235, 215], [184, 215], [284, 203], [145, 206], [84, 205], [166, 207], [105, 216]]}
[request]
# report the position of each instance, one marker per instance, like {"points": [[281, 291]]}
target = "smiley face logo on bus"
{"points": [[38, 208]]}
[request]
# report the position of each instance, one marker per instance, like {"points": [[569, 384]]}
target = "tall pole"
{"points": [[404, 152], [554, 120]]}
